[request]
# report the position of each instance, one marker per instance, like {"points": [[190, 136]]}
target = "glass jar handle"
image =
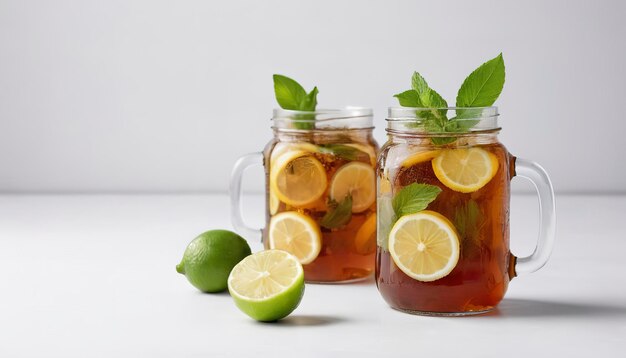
{"points": [[236, 214], [547, 225]]}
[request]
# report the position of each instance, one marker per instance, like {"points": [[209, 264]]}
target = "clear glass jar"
{"points": [[312, 164], [451, 256]]}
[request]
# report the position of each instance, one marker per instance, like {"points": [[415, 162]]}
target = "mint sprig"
{"points": [[344, 151], [413, 198], [480, 89], [292, 96], [339, 213]]}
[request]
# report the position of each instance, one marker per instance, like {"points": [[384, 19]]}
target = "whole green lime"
{"points": [[210, 257]]}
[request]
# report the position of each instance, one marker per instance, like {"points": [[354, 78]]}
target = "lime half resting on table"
{"points": [[210, 257], [267, 285]]}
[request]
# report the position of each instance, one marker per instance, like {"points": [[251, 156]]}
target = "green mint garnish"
{"points": [[480, 89], [292, 96], [483, 86], [468, 221], [339, 214], [413, 198], [386, 217], [344, 151]]}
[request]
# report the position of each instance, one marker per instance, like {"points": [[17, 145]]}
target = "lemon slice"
{"points": [[384, 184], [369, 150], [419, 157], [284, 147], [274, 202], [297, 234], [365, 239], [465, 170], [357, 179], [267, 285], [425, 245], [297, 178]]}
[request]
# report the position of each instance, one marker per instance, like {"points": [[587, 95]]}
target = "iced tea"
{"points": [[480, 277], [320, 187]]}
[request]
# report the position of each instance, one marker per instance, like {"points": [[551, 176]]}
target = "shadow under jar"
{"points": [[451, 257], [313, 163]]}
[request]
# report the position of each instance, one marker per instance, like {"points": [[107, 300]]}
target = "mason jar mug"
{"points": [[443, 212], [320, 192]]}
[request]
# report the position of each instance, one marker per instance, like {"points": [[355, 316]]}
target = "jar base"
{"points": [[340, 282], [445, 314]]}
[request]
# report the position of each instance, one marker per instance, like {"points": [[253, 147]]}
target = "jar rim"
{"points": [[404, 113], [323, 119], [443, 120]]}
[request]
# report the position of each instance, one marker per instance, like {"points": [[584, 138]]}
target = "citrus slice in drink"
{"points": [[465, 170], [284, 147], [365, 239], [424, 245], [274, 202], [297, 234], [297, 178], [369, 150], [419, 157], [358, 180], [267, 285]]}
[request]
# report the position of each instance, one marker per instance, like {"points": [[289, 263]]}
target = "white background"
{"points": [[163, 96]]}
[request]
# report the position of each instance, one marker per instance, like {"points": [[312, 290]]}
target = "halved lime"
{"points": [[267, 285]]}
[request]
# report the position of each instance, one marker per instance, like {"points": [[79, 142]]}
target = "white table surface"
{"points": [[93, 276]]}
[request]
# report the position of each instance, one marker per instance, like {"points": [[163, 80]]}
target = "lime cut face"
{"points": [[267, 285]]}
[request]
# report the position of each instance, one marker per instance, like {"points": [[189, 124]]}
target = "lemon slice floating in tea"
{"points": [[267, 285], [357, 179], [419, 157], [365, 239], [274, 202], [369, 150], [297, 178], [285, 147], [465, 170], [424, 245], [297, 234]]}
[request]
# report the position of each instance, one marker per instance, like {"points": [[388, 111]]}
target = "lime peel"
{"points": [[268, 285]]}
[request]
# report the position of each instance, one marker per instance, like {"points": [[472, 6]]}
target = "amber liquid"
{"points": [[340, 258], [481, 218]]}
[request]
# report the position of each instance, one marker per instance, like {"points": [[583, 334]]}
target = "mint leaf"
{"points": [[339, 215], [428, 96], [413, 198], [468, 221], [442, 140], [304, 120], [289, 93], [309, 102], [386, 219], [419, 84], [432, 99], [409, 98], [344, 151], [422, 96], [483, 86]]}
